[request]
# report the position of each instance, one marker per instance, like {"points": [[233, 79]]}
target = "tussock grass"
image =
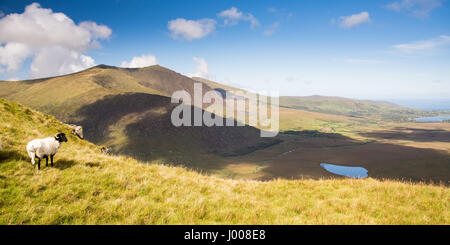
{"points": [[86, 187]]}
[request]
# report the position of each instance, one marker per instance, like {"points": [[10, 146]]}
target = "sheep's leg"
{"points": [[51, 160], [32, 156], [39, 164], [46, 161]]}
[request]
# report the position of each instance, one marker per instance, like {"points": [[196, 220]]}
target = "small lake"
{"points": [[352, 172], [432, 119]]}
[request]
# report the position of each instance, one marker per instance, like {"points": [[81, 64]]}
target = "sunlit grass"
{"points": [[86, 187]]}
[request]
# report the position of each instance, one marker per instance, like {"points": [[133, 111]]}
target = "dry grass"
{"points": [[86, 187]]}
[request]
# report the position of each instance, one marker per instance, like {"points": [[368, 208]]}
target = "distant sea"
{"points": [[429, 105]]}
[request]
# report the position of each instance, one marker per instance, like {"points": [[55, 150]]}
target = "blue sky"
{"points": [[393, 49]]}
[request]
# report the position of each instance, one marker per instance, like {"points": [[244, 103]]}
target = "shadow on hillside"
{"points": [[7, 155], [145, 121], [93, 164], [412, 134], [62, 164], [382, 160], [140, 127]]}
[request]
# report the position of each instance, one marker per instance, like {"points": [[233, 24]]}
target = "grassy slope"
{"points": [[62, 96], [140, 125], [108, 101], [354, 108], [86, 187]]}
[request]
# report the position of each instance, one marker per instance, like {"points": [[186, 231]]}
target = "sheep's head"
{"points": [[61, 137], [78, 131]]}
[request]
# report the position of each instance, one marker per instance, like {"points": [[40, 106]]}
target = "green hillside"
{"points": [[128, 110], [87, 187], [139, 125], [352, 108], [63, 96]]}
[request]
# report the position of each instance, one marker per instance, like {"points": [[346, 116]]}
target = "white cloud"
{"points": [[418, 8], [424, 46], [12, 55], [97, 31], [140, 61], [38, 32], [13, 79], [231, 14], [232, 17], [201, 69], [57, 60], [181, 28], [191, 29], [353, 20]]}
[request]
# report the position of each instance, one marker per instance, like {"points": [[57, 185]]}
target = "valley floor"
{"points": [[417, 152]]}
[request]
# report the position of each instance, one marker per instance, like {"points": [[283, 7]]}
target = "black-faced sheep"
{"points": [[44, 148]]}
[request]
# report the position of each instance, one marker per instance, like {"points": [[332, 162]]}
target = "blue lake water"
{"points": [[432, 119], [352, 172]]}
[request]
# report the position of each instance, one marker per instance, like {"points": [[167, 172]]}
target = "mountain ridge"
{"points": [[119, 107]]}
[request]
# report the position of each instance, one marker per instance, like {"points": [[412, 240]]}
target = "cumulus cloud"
{"points": [[418, 8], [184, 29], [53, 40], [424, 46], [12, 55], [201, 69], [58, 60], [231, 14], [232, 17], [191, 29], [353, 20], [140, 61]]}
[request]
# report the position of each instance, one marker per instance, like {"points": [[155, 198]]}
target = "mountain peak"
{"points": [[103, 66], [154, 67]]}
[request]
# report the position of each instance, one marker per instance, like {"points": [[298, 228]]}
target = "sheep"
{"points": [[105, 150], [77, 130], [43, 148]]}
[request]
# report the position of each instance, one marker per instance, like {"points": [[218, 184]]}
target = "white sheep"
{"points": [[43, 148], [77, 130]]}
